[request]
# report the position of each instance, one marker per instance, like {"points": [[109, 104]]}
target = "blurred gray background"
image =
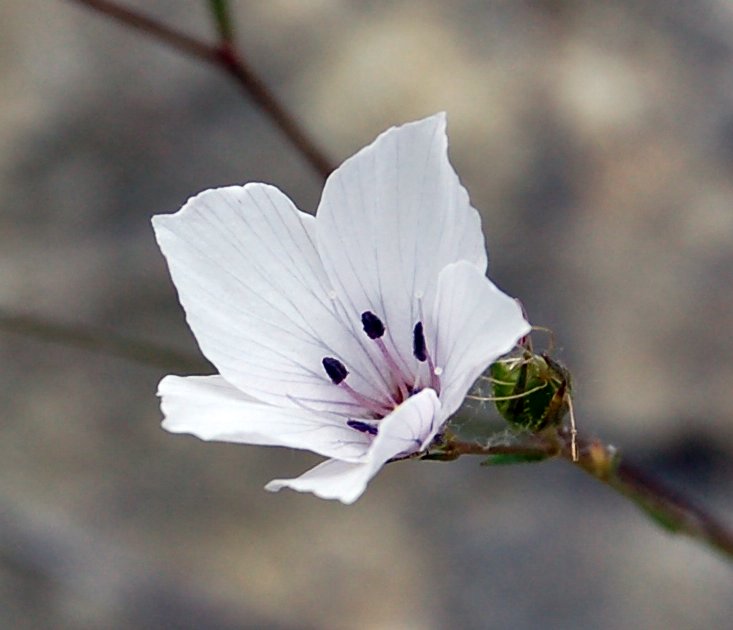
{"points": [[596, 139]]}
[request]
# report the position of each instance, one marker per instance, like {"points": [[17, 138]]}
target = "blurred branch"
{"points": [[103, 342], [228, 58], [224, 56], [668, 509]]}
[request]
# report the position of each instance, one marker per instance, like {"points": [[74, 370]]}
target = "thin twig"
{"points": [[103, 342], [668, 508], [226, 57], [603, 462]]}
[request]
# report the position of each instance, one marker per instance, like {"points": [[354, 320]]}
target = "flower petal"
{"points": [[212, 409], [391, 217], [474, 324], [257, 299], [408, 429]]}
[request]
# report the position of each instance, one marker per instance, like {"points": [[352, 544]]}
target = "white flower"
{"points": [[354, 334]]}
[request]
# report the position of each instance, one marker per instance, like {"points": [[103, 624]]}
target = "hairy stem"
{"points": [[603, 462], [228, 58], [669, 509]]}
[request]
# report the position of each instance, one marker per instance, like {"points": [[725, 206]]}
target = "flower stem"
{"points": [[226, 57], [668, 509]]}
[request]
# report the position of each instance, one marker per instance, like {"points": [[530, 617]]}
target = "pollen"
{"points": [[336, 370], [373, 326]]}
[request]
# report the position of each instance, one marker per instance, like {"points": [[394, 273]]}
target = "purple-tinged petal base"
{"points": [[408, 429]]}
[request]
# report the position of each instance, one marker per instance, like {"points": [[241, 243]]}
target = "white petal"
{"points": [[257, 299], [475, 323], [212, 409], [390, 219], [406, 430]]}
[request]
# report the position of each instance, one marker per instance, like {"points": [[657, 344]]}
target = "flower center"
{"points": [[404, 384]]}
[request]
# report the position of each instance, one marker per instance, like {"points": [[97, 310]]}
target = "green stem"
{"points": [[668, 509]]}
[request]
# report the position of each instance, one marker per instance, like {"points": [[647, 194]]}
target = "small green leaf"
{"points": [[511, 458], [223, 19]]}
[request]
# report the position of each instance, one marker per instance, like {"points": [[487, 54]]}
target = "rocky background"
{"points": [[597, 140]]}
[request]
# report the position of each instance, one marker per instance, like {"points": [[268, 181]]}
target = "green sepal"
{"points": [[531, 391], [508, 458]]}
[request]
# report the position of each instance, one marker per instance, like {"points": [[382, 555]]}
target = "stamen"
{"points": [[420, 350], [374, 328], [435, 373], [419, 347], [377, 408], [363, 427], [336, 370], [343, 315]]}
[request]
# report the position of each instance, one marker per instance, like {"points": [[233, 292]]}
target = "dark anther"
{"points": [[373, 326], [363, 427], [419, 349], [336, 370]]}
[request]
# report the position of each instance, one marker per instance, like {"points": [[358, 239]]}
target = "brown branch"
{"points": [[668, 508], [226, 57], [103, 342], [603, 462]]}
